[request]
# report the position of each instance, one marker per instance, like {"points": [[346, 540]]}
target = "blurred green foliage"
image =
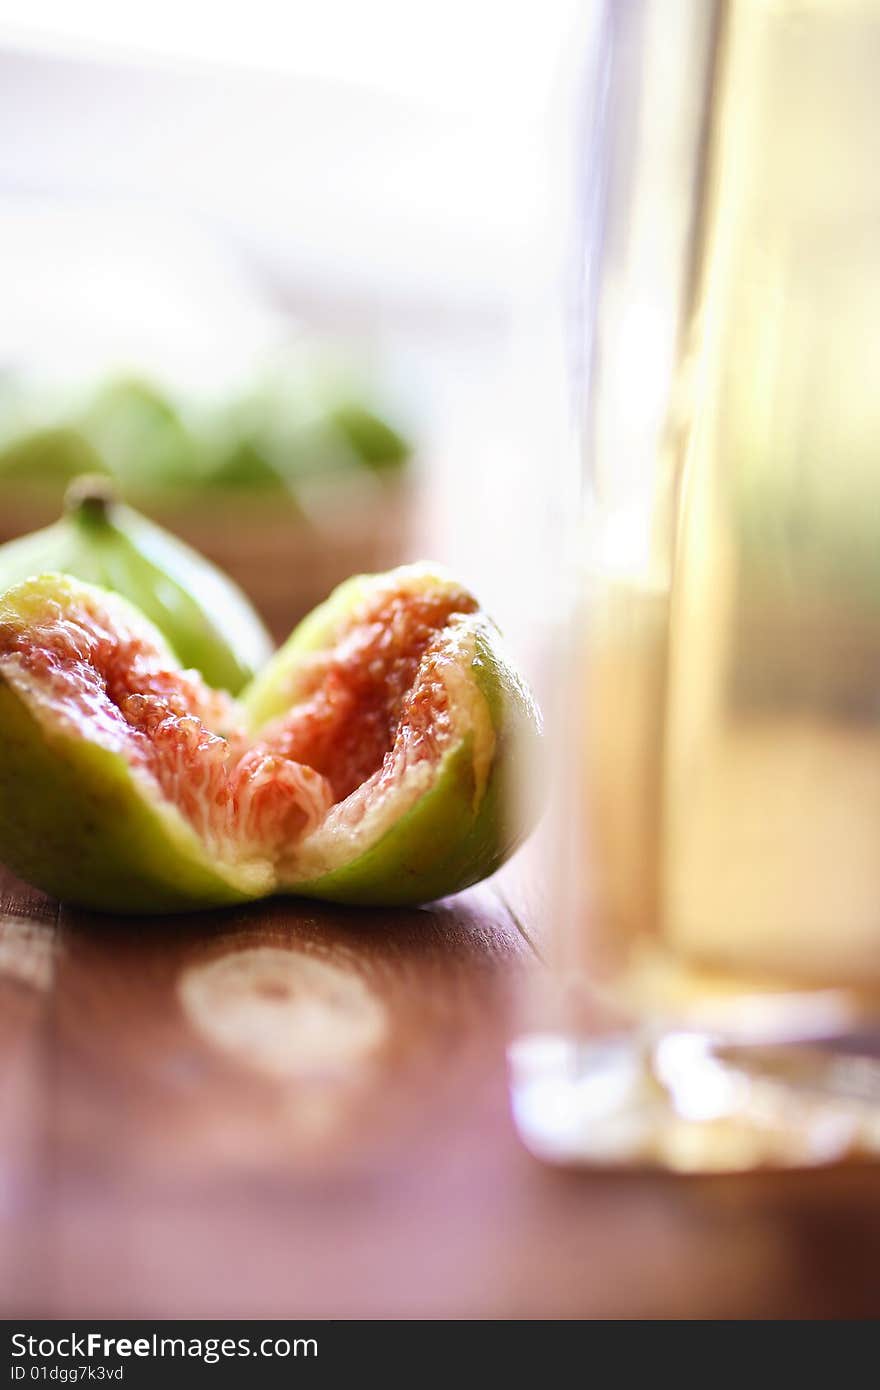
{"points": [[273, 434]]}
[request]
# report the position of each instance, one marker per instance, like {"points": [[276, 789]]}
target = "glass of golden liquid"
{"points": [[712, 993]]}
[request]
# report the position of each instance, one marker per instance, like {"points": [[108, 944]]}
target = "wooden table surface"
{"points": [[293, 1111]]}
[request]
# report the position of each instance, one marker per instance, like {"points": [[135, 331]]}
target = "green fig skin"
{"points": [[206, 619], [73, 819], [77, 820], [458, 833], [374, 441], [139, 431], [72, 824], [48, 457]]}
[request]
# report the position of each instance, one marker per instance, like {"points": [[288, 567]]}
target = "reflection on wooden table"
{"points": [[295, 1110]]}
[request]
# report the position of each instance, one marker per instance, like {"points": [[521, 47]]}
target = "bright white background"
{"points": [[177, 177]]}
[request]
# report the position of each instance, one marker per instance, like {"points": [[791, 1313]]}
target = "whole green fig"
{"points": [[204, 617]]}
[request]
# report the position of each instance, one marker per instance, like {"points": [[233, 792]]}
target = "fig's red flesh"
{"points": [[357, 695], [371, 703]]}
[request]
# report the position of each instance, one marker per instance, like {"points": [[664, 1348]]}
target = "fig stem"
{"points": [[90, 497]]}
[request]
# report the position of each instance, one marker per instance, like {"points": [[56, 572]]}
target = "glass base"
{"points": [[690, 1105]]}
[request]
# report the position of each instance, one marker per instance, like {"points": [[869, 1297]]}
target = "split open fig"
{"points": [[374, 759]]}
